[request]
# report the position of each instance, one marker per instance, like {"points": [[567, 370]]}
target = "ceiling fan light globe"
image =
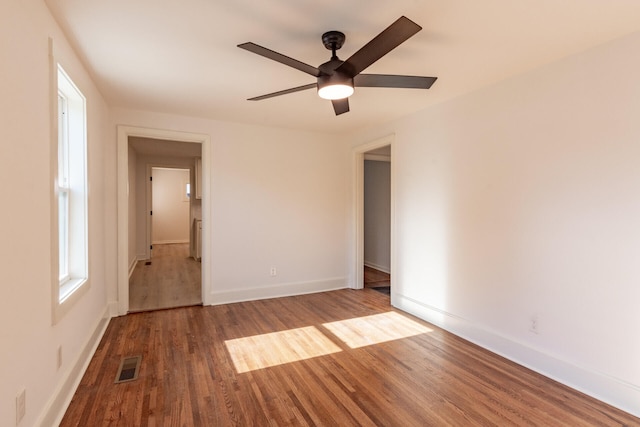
{"points": [[336, 91], [335, 86]]}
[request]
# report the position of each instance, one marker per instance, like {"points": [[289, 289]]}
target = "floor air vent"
{"points": [[129, 367]]}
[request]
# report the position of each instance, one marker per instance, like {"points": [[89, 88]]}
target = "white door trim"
{"points": [[358, 208], [124, 132]]}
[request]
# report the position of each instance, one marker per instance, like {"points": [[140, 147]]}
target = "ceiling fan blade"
{"points": [[387, 80], [278, 57], [340, 106], [383, 43], [284, 92]]}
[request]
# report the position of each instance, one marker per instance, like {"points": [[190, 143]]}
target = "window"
{"points": [[71, 189], [63, 190]]}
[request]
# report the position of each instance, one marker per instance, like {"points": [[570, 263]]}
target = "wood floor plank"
{"points": [[188, 376], [170, 279], [375, 278]]}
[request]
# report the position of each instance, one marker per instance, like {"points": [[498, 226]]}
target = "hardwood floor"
{"points": [[341, 358], [375, 278], [173, 279]]}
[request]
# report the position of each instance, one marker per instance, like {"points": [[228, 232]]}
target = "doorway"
{"points": [[374, 269], [171, 275], [160, 148], [377, 219]]}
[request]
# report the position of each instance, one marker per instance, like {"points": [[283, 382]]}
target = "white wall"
{"points": [[377, 214], [278, 198], [29, 341], [522, 200], [170, 220]]}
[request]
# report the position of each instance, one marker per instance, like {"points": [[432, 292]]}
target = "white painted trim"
{"points": [[124, 132], [358, 208], [377, 267], [377, 158], [112, 308], [57, 405], [280, 290], [605, 388], [149, 206], [53, 171], [132, 266]]}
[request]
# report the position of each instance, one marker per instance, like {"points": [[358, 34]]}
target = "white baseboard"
{"points": [[277, 291], [113, 308], [610, 390], [61, 397], [169, 242], [377, 267]]}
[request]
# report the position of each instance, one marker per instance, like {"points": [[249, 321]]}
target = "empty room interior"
{"points": [[320, 213]]}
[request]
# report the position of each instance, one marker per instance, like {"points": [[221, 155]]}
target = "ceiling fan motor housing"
{"points": [[330, 77], [329, 67]]}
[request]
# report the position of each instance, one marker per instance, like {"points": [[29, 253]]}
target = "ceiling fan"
{"points": [[336, 78]]}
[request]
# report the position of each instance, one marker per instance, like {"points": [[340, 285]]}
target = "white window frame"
{"points": [[70, 260], [63, 190]]}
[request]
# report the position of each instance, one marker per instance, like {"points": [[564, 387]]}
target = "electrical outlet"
{"points": [[533, 324], [273, 271], [59, 358], [21, 405]]}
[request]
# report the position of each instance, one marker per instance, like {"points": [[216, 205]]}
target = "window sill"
{"points": [[69, 287]]}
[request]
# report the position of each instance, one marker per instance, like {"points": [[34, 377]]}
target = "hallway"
{"points": [[172, 279]]}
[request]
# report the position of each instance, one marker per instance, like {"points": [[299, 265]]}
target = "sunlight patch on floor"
{"points": [[375, 329], [277, 348]]}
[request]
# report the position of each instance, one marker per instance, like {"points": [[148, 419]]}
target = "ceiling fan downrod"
{"points": [[333, 40]]}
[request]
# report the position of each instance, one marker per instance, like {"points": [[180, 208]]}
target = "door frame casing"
{"points": [[123, 134], [358, 209]]}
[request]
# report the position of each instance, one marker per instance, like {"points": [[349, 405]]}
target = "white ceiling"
{"points": [[181, 57]]}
